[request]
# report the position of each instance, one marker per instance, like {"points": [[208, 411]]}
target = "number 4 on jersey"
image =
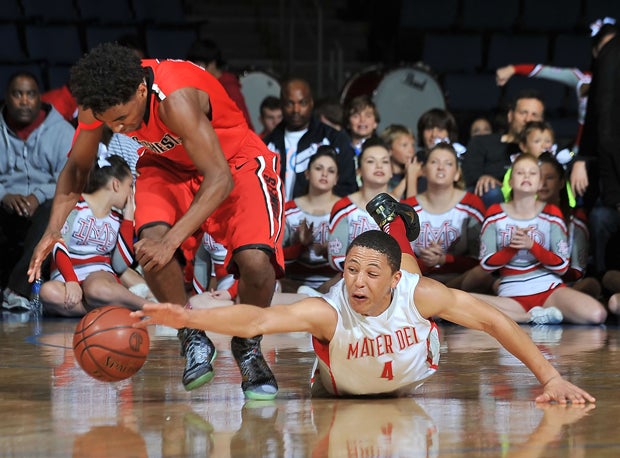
{"points": [[387, 373]]}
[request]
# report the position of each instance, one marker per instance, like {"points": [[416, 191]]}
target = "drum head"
{"points": [[361, 83], [255, 86], [404, 94]]}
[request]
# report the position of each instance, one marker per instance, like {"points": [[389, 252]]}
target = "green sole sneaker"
{"points": [[261, 393], [202, 379]]}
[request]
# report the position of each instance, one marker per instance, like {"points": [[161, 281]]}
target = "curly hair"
{"points": [[107, 76]]}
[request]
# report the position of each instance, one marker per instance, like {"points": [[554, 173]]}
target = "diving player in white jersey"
{"points": [[97, 246], [377, 320]]}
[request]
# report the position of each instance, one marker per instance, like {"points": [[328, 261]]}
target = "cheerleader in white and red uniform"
{"points": [[307, 223], [349, 217], [450, 219], [527, 241], [209, 265], [96, 246]]}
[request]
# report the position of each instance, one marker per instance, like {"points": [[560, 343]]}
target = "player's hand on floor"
{"points": [[562, 391]]}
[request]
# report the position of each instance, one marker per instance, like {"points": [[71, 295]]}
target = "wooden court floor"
{"points": [[479, 404]]}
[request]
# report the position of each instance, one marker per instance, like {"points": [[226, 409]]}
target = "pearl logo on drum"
{"points": [[410, 81]]}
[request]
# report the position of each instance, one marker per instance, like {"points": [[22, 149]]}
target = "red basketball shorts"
{"points": [[252, 216]]}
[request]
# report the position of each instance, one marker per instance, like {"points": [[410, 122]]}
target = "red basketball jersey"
{"points": [[170, 75]]}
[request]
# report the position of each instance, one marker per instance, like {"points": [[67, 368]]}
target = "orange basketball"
{"points": [[107, 347]]}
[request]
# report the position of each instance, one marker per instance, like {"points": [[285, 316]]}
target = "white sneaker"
{"points": [[143, 290], [14, 302], [546, 315], [311, 292]]}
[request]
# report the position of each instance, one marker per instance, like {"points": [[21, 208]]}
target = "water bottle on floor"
{"points": [[36, 306]]}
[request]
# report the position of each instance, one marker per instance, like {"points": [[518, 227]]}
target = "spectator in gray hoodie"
{"points": [[34, 142]]}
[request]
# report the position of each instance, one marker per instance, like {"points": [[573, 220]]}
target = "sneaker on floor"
{"points": [[545, 315], [143, 290], [311, 292], [384, 208], [258, 382], [14, 302], [199, 354]]}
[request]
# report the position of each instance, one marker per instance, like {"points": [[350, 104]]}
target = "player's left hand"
{"points": [[172, 315], [562, 391], [153, 254]]}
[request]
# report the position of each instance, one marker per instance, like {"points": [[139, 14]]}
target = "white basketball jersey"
{"points": [[389, 353]]}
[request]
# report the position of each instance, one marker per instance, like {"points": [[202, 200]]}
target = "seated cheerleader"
{"points": [[450, 221], [554, 190], [307, 226], [349, 217], [96, 246], [526, 239]]}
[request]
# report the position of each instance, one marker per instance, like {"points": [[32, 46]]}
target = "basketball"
{"points": [[107, 347]]}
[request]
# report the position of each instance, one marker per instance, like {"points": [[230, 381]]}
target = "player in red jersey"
{"points": [[202, 169]]}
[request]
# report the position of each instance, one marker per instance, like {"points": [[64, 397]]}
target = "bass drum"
{"points": [[255, 86], [401, 95], [361, 83]]}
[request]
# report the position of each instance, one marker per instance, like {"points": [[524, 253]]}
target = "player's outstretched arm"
{"points": [[311, 315], [71, 183], [434, 299]]}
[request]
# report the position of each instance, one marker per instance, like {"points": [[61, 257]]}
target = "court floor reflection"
{"points": [[480, 403]]}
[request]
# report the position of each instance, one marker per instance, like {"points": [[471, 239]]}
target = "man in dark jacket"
{"points": [[299, 135], [489, 156], [600, 148]]}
